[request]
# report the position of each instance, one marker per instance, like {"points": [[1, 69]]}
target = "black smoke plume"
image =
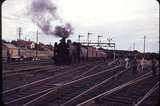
{"points": [[63, 31], [43, 14]]}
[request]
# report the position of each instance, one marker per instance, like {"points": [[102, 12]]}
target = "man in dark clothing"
{"points": [[56, 53], [62, 46], [59, 50], [135, 64], [153, 66], [74, 52], [78, 51], [65, 52], [69, 57]]}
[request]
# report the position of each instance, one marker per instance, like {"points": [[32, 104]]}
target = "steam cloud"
{"points": [[43, 14]]}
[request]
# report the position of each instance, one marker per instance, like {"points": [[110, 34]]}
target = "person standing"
{"points": [[56, 53], [69, 51], [141, 65], [61, 52], [154, 66], [126, 63], [78, 52], [135, 65], [120, 61]]}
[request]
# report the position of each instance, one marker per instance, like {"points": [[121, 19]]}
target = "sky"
{"points": [[125, 21]]}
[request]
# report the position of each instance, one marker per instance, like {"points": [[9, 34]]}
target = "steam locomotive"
{"points": [[69, 53]]}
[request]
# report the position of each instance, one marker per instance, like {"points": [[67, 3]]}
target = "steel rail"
{"points": [[153, 89], [23, 70], [141, 78], [32, 68], [54, 91], [42, 80], [72, 101], [88, 71], [28, 62], [40, 98], [91, 76], [25, 97], [28, 77], [28, 71]]}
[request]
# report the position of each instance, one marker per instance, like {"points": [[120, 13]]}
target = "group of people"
{"points": [[66, 53], [137, 65]]}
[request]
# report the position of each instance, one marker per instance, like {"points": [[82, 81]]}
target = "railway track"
{"points": [[28, 76], [57, 78], [33, 95], [30, 62], [131, 93], [16, 65], [150, 98], [63, 92], [142, 100], [22, 78], [31, 68], [23, 70], [107, 84], [8, 68]]}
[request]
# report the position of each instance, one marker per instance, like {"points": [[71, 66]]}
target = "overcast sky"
{"points": [[125, 21]]}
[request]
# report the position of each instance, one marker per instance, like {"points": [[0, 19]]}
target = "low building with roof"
{"points": [[24, 44], [9, 51]]}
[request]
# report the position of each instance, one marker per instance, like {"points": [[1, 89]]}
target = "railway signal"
{"points": [[79, 36], [102, 44], [109, 40], [99, 40]]}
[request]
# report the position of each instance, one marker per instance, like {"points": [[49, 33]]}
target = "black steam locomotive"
{"points": [[67, 52]]}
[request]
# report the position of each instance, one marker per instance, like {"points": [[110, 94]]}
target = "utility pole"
{"points": [[98, 39], [129, 50], [133, 46], [144, 44], [36, 44], [88, 45], [79, 36], [19, 34], [114, 52]]}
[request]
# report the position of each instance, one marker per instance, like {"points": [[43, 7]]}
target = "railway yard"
{"points": [[93, 83]]}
